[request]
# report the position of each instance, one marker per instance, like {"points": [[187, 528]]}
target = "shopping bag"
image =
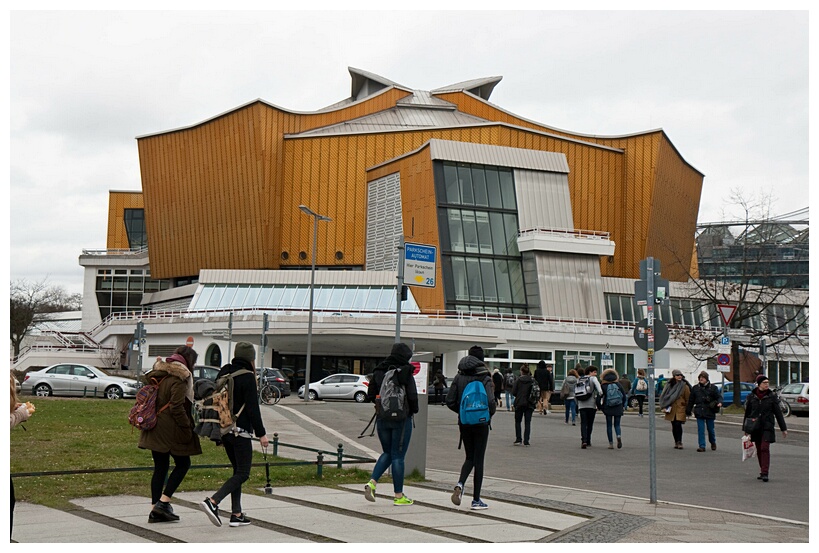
{"points": [[748, 448]]}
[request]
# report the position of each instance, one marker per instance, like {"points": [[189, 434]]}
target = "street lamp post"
{"points": [[316, 218]]}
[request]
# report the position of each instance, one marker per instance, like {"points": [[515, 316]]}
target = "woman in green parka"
{"points": [[173, 435]]}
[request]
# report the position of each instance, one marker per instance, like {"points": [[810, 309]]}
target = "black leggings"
{"points": [[677, 431], [475, 437], [162, 463]]}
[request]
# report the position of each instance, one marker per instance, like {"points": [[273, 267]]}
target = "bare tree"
{"points": [[766, 307], [33, 303]]}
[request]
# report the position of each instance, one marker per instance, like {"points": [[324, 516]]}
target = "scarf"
{"points": [[671, 393]]}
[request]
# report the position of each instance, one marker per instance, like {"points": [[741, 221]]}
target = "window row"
{"points": [[484, 280], [342, 298], [487, 233], [479, 185]]}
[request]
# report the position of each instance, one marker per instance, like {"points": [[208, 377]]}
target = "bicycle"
{"points": [[783, 405], [269, 394]]}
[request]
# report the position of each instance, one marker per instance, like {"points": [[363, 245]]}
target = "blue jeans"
{"points": [[712, 436], [616, 426], [571, 407], [509, 402], [394, 449]]}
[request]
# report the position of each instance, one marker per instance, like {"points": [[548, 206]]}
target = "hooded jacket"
{"points": [[544, 378], [173, 432], [567, 390], [611, 385], [470, 368], [399, 358], [521, 390]]}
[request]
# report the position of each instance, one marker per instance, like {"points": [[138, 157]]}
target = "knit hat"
{"points": [[704, 375], [476, 351], [246, 351], [676, 372], [760, 379]]}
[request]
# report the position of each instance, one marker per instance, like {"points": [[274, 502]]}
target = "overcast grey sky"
{"points": [[729, 88]]}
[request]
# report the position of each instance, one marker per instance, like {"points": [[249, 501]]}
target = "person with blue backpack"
{"points": [[612, 403], [472, 396], [392, 390]]}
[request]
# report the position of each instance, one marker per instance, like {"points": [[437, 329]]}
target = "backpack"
{"points": [[614, 398], [642, 385], [583, 389], [534, 394], [217, 408], [474, 404], [510, 380], [391, 403], [143, 414]]}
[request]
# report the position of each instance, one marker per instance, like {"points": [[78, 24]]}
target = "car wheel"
{"points": [[313, 395], [42, 390], [113, 392], [633, 403], [360, 397]]}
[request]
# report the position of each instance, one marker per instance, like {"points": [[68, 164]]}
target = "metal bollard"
{"points": [[275, 444], [319, 465], [340, 455]]}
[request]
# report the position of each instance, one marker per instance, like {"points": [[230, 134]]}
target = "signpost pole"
{"points": [[652, 428], [399, 289]]}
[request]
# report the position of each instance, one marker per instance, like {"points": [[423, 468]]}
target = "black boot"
{"points": [[162, 512]]}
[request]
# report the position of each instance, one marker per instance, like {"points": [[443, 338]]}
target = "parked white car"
{"points": [[339, 386], [73, 379]]}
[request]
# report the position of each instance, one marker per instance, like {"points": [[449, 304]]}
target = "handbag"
{"points": [[748, 448], [750, 425]]}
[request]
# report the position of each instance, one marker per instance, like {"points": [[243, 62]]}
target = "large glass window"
{"points": [[135, 228], [481, 262]]}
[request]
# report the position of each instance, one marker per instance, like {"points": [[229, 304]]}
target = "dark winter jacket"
{"points": [[521, 391], [398, 358], [470, 368], [245, 397], [610, 385], [497, 381], [703, 401], [173, 432], [768, 411], [544, 378]]}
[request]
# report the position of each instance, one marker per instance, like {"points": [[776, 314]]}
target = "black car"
{"points": [[275, 377]]}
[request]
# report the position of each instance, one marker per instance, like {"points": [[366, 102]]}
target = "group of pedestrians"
{"points": [[174, 435]]}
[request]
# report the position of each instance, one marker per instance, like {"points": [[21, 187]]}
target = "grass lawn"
{"points": [[78, 434]]}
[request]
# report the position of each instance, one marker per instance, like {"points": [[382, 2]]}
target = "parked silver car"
{"points": [[73, 379], [339, 386], [796, 395]]}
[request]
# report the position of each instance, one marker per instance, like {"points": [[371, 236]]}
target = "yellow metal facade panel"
{"points": [[118, 202], [225, 194]]}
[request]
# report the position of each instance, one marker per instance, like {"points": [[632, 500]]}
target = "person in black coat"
{"points": [[705, 402], [475, 437], [497, 381], [546, 382], [394, 435], [238, 444], [762, 406], [523, 409]]}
